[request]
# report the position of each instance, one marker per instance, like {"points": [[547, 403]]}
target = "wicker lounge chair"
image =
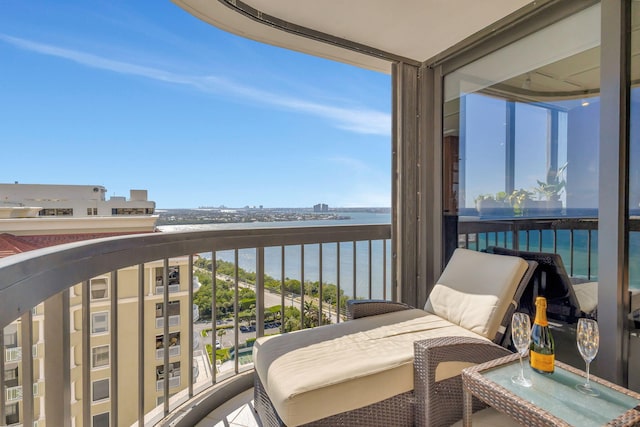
{"points": [[392, 364], [567, 299]]}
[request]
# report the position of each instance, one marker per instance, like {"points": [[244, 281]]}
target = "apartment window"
{"points": [[127, 211], [173, 279], [100, 356], [92, 211], [11, 374], [173, 309], [12, 414], [100, 390], [100, 420], [11, 377], [99, 288], [174, 275], [11, 339], [99, 322], [56, 212], [174, 345], [174, 371]]}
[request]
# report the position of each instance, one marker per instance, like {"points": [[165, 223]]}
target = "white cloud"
{"points": [[363, 121]]}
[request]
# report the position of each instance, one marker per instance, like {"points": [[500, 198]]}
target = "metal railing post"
{"points": [[259, 287], [113, 330], [27, 367], [141, 364]]}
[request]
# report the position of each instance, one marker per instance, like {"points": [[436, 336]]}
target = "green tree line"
{"points": [[247, 297]]}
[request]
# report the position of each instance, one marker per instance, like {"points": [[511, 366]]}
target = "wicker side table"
{"points": [[552, 400]]}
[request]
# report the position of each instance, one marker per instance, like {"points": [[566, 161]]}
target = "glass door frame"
{"points": [[613, 296]]}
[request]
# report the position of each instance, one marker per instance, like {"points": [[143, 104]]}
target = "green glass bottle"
{"points": [[542, 348]]}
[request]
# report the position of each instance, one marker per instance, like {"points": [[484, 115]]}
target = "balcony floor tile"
{"points": [[237, 412]]}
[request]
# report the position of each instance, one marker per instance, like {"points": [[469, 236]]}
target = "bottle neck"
{"points": [[541, 314]]}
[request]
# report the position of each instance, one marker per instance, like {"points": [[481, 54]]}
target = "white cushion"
{"points": [[316, 373], [475, 290], [587, 296]]}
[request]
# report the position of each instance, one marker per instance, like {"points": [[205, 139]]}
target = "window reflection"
{"points": [[521, 127], [634, 164]]}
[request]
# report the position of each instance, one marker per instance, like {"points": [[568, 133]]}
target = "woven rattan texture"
{"points": [[440, 403], [395, 411], [524, 412], [366, 308]]}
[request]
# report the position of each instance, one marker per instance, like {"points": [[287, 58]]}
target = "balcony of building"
{"points": [[173, 280], [119, 330], [568, 68], [174, 345], [352, 260]]}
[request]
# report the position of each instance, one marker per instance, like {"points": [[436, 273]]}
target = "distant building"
{"points": [[37, 216], [321, 207], [27, 209]]}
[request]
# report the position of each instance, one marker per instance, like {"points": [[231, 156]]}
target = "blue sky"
{"points": [[142, 95]]}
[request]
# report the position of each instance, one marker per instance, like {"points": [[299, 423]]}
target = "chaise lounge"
{"points": [[393, 364], [568, 299]]}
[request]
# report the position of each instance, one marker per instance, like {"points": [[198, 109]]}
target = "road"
{"points": [[274, 298], [270, 299]]}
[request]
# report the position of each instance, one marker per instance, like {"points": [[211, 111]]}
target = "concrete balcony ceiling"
{"points": [[410, 30], [373, 34]]}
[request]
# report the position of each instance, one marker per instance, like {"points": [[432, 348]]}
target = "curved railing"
{"points": [[96, 311], [575, 239], [58, 319]]}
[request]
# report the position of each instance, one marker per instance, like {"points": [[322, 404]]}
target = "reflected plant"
{"points": [[552, 189], [482, 197], [518, 198]]}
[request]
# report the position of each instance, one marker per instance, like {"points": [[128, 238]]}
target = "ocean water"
{"points": [[581, 262], [293, 259]]}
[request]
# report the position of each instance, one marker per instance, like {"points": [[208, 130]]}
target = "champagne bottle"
{"points": [[541, 349]]}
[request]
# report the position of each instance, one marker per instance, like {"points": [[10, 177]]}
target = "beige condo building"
{"points": [[23, 227]]}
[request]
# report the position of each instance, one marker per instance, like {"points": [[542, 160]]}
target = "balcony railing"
{"points": [[174, 351], [46, 276], [173, 383], [173, 321], [575, 239], [14, 394], [172, 289], [14, 354]]}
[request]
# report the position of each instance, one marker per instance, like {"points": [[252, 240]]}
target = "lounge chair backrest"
{"points": [[554, 282], [478, 290]]}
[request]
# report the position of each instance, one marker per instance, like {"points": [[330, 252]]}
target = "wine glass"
{"points": [[588, 339], [521, 337]]}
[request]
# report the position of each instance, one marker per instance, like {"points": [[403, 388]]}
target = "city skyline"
{"points": [[133, 96]]}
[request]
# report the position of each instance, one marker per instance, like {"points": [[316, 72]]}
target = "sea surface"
{"points": [[581, 262]]}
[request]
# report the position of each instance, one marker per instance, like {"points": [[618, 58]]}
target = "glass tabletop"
{"points": [[556, 394]]}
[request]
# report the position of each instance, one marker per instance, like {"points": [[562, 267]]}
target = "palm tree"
{"points": [[310, 314]]}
